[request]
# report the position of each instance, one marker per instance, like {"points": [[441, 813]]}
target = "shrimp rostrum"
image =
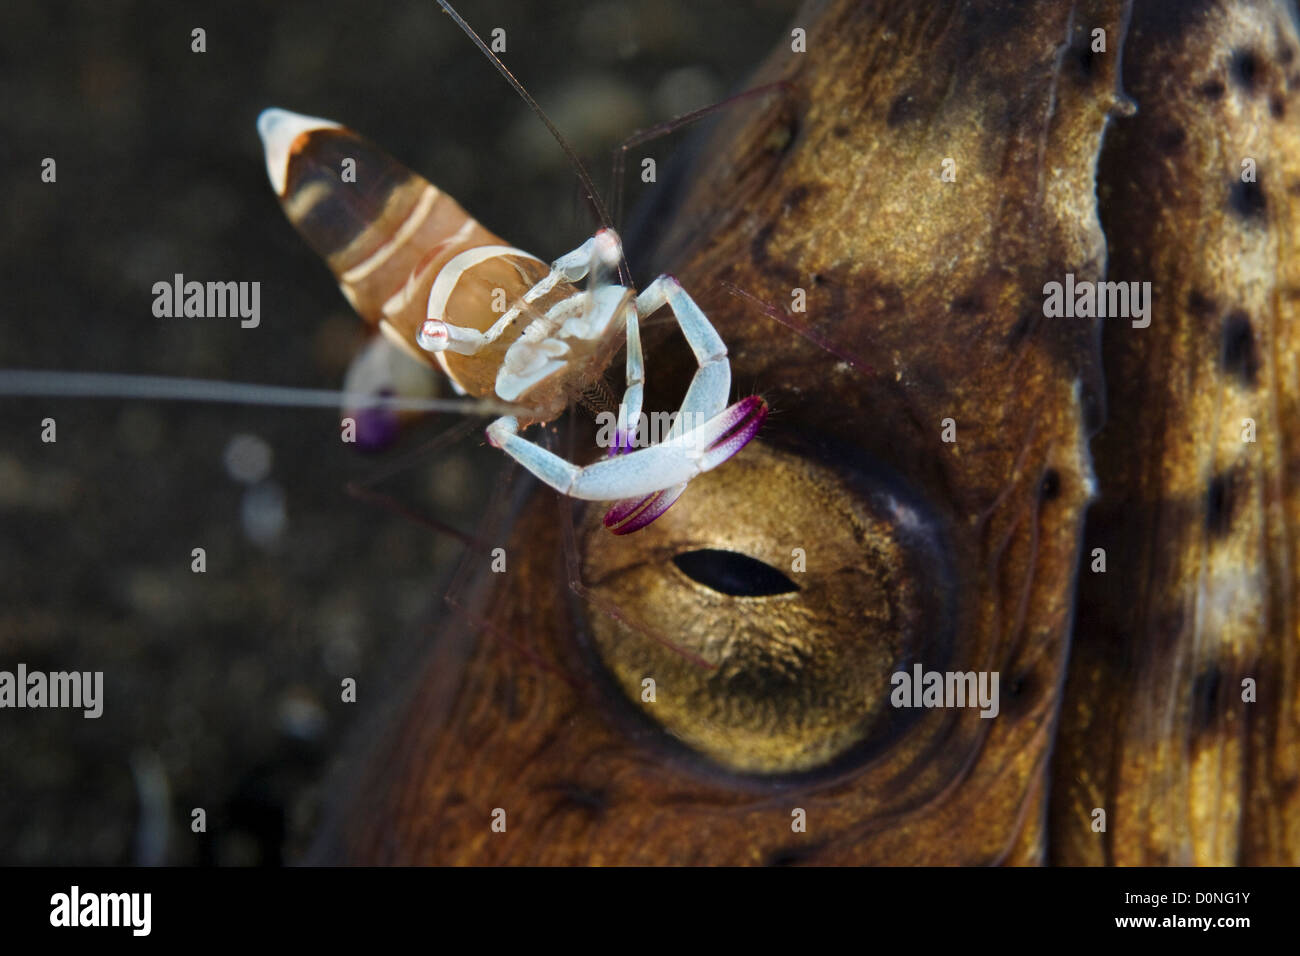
{"points": [[500, 323]]}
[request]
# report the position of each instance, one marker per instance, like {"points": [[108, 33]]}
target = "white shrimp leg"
{"points": [[438, 335], [629, 410], [687, 451], [707, 395], [704, 399], [640, 472], [597, 256], [705, 433], [589, 315]]}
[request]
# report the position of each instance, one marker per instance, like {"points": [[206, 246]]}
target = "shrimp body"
{"points": [[499, 321]]}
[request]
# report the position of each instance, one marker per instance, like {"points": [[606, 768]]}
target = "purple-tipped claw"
{"points": [[633, 514], [749, 415]]}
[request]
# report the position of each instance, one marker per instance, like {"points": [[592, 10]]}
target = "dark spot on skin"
{"points": [[590, 801], [758, 247], [793, 126], [1286, 55], [1050, 486], [1277, 106], [1017, 695], [1021, 329], [840, 131], [1213, 90], [792, 855], [1248, 200], [1219, 502], [1238, 356], [795, 198], [967, 305], [903, 108], [1205, 697], [1246, 69], [1086, 61], [1201, 305], [1171, 140]]}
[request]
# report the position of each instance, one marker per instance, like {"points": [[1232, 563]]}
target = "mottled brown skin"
{"points": [[835, 187], [1199, 526]]}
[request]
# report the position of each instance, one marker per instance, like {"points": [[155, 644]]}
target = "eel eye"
{"points": [[771, 606], [730, 572]]}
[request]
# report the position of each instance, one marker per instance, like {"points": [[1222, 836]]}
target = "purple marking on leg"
{"points": [[749, 415], [622, 442], [633, 514]]}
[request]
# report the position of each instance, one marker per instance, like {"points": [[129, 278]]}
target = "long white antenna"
{"points": [[54, 384]]}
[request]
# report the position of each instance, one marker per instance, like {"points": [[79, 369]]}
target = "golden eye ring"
{"points": [[730, 633]]}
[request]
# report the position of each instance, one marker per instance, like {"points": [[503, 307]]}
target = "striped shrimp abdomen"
{"points": [[387, 233]]}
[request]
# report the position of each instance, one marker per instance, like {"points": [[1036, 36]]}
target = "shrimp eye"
{"points": [[730, 572]]}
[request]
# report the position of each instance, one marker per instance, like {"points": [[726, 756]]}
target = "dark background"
{"points": [[222, 689]]}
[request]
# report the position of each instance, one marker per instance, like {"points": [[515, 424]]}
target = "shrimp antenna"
{"points": [[56, 384], [588, 186]]}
